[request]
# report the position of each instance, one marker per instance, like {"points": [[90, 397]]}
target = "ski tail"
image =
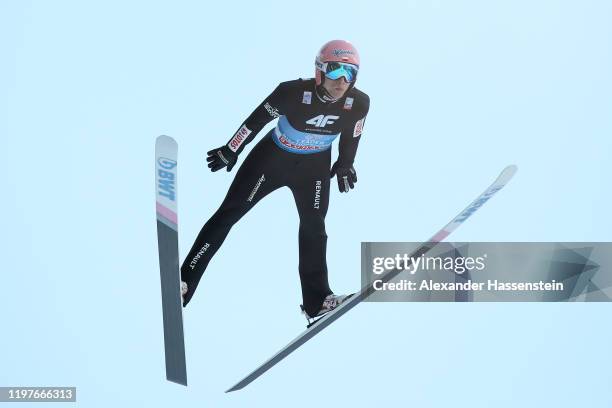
{"points": [[166, 150]]}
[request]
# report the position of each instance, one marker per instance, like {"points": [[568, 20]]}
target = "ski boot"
{"points": [[329, 303], [183, 292]]}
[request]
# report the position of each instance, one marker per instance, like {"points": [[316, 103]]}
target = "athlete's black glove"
{"points": [[347, 177], [221, 157]]}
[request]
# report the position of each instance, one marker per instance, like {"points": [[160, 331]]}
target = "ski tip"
{"points": [[166, 139], [507, 173], [234, 388], [511, 168]]}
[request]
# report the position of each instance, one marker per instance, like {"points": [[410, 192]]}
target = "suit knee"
{"points": [[229, 215], [313, 226]]}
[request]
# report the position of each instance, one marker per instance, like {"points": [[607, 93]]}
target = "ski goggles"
{"points": [[336, 70]]}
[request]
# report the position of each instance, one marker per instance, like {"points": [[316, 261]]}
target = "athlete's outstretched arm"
{"points": [[272, 107], [347, 150]]}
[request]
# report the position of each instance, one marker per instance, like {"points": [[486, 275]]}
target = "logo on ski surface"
{"points": [[466, 214], [167, 164], [322, 120], [166, 180]]}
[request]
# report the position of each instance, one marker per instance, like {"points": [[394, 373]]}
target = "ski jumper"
{"points": [[295, 154]]}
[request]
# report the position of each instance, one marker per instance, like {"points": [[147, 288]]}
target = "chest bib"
{"points": [[292, 140]]}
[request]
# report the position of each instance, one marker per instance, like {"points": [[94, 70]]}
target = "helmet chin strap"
{"points": [[323, 95]]}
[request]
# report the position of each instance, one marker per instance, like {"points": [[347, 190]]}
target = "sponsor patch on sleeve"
{"points": [[358, 127], [307, 97], [239, 138], [272, 111]]}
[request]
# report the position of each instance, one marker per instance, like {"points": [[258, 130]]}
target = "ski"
{"points": [[366, 291], [166, 150]]}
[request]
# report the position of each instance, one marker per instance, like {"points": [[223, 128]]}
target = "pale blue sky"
{"points": [[458, 90]]}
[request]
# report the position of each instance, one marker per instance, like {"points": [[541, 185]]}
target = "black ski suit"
{"points": [[296, 154]]}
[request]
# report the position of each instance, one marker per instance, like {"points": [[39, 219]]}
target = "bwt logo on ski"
{"points": [[167, 164], [166, 179], [322, 120], [466, 214]]}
